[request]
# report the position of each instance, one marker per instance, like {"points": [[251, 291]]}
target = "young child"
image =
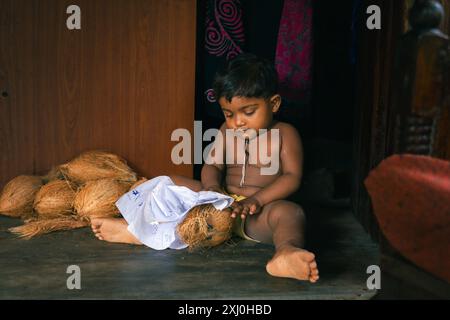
{"points": [[246, 90]]}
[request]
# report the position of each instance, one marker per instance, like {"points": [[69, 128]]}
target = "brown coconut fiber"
{"points": [[96, 199], [16, 199], [55, 199], [205, 226], [39, 227], [94, 165]]}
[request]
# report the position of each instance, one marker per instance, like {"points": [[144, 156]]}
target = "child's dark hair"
{"points": [[248, 76]]}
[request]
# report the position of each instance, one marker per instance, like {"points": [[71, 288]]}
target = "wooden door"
{"points": [[121, 83]]}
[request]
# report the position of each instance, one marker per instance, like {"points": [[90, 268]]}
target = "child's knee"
{"points": [[300, 213], [287, 210], [296, 213]]}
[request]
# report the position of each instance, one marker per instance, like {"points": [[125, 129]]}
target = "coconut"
{"points": [[55, 199], [96, 199], [138, 183], [94, 165], [39, 227], [54, 174], [205, 226], [16, 199]]}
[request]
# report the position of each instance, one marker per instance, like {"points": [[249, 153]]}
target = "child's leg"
{"points": [[282, 223], [113, 230], [116, 229], [192, 184]]}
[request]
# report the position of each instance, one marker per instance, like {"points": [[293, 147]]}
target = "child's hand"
{"points": [[244, 207]]}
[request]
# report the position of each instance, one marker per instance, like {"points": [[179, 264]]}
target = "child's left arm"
{"points": [[291, 156]]}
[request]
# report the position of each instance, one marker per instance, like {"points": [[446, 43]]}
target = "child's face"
{"points": [[249, 113]]}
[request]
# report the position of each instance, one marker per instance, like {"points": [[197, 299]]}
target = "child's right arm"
{"points": [[211, 178], [212, 172]]}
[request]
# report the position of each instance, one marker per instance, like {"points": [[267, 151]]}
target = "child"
{"points": [[246, 90]]}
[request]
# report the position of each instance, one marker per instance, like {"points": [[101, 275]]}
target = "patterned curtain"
{"points": [[294, 53], [224, 39]]}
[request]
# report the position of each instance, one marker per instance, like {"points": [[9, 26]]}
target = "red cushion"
{"points": [[411, 200]]}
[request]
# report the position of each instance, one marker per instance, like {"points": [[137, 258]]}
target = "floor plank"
{"points": [[36, 269]]}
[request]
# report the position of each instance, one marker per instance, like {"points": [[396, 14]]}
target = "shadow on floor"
{"points": [[36, 269]]}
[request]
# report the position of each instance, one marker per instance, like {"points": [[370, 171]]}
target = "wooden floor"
{"points": [[36, 269]]}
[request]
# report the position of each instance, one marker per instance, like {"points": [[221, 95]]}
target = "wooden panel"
{"points": [[122, 83], [16, 111], [376, 53]]}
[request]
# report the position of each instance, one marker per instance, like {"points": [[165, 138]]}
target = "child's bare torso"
{"points": [[261, 149]]}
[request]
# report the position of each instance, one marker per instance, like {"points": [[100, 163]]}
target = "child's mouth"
{"points": [[241, 132], [246, 133]]}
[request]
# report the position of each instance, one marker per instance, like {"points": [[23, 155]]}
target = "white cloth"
{"points": [[155, 208]]}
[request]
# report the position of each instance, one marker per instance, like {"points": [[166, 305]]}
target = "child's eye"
{"points": [[228, 115], [249, 113]]}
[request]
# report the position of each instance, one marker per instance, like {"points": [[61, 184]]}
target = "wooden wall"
{"points": [[122, 83]]}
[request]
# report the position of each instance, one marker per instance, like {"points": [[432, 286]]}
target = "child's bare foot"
{"points": [[292, 262], [113, 230]]}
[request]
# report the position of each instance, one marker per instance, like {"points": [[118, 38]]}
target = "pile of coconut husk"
{"points": [[17, 197], [87, 187], [69, 195]]}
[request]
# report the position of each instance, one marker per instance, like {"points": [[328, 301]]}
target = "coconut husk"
{"points": [[96, 199], [54, 174], [16, 199], [55, 199], [94, 165], [39, 227], [138, 183], [205, 226]]}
